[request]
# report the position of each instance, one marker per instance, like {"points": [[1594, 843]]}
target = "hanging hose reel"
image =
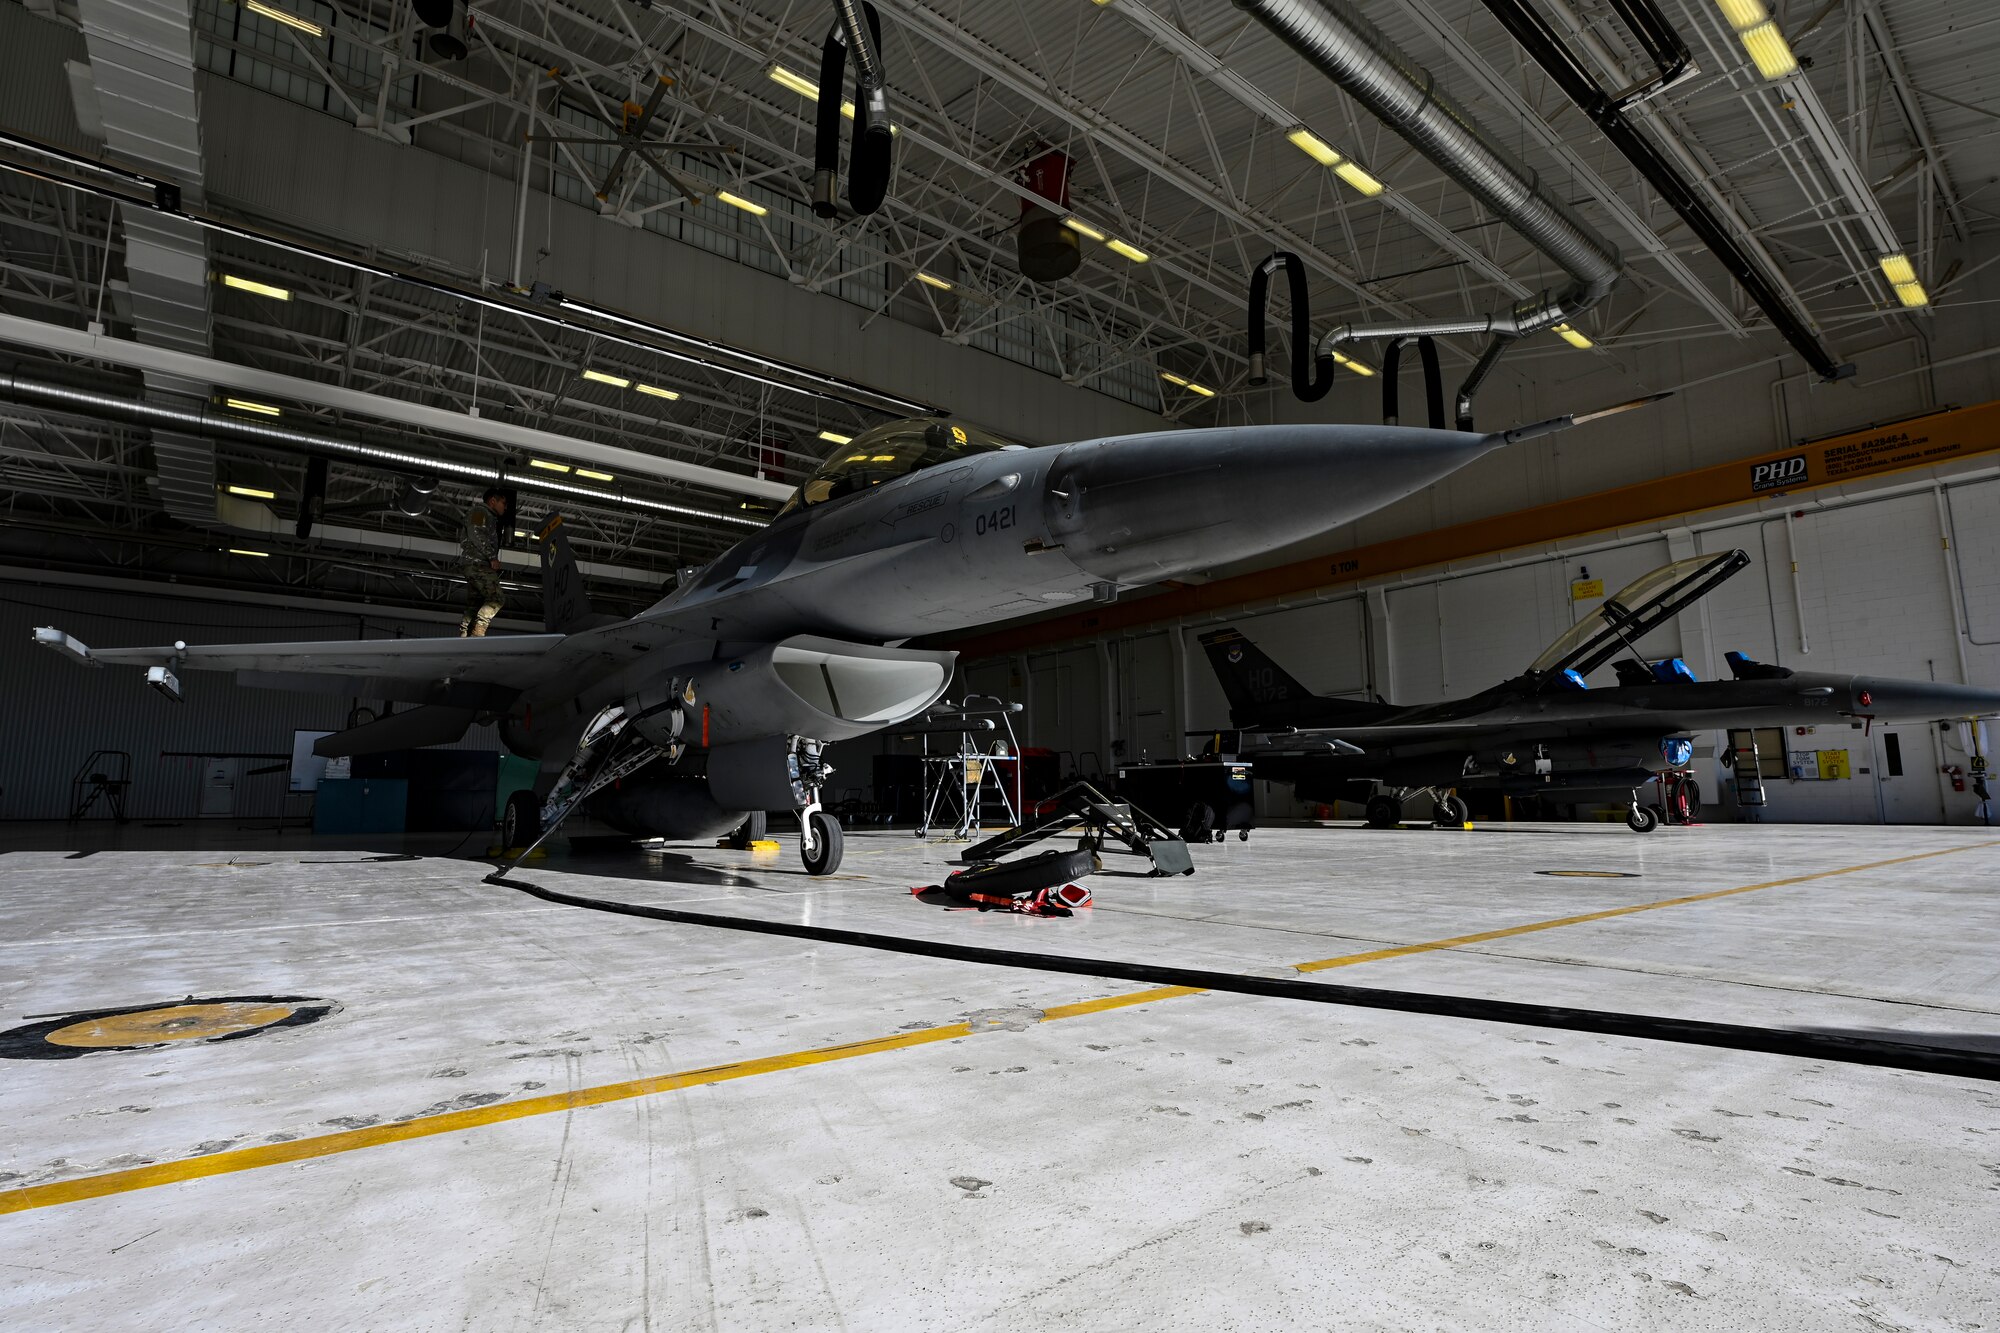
{"points": [[857, 30], [1392, 357]]}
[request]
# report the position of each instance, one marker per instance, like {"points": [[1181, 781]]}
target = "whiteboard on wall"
{"points": [[307, 767]]}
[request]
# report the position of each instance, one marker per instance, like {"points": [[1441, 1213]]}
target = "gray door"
{"points": [[1906, 774]]}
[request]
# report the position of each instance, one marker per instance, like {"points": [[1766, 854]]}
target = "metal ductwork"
{"points": [[142, 66], [1357, 56]]}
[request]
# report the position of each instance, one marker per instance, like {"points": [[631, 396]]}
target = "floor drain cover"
{"points": [[217, 1018], [1588, 874]]}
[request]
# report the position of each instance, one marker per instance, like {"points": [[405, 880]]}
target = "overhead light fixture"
{"points": [[253, 493], [588, 475], [798, 83], [1362, 182], [259, 288], [547, 466], [1201, 389], [1131, 252], [655, 391], [1324, 153], [1358, 367], [1082, 228], [737, 201], [1902, 275], [835, 437], [1172, 378], [1314, 147], [931, 280], [1187, 384], [521, 536], [277, 15], [239, 550], [245, 405], [615, 381], [809, 90], [1758, 32], [1573, 338]]}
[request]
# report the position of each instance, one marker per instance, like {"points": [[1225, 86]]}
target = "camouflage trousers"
{"points": [[482, 597]]}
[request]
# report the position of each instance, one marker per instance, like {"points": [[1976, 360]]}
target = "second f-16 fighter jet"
{"points": [[1547, 730], [728, 690]]}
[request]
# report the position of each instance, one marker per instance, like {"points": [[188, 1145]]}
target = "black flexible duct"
{"points": [[857, 29], [1560, 63], [1312, 376], [1662, 44], [1392, 359]]}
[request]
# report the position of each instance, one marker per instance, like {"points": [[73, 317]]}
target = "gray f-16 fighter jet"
{"points": [[728, 689], [1546, 730]]}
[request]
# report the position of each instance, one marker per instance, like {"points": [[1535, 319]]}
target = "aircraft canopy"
{"points": [[1636, 608], [886, 452]]}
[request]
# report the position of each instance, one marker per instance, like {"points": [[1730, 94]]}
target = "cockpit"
{"points": [[886, 452]]}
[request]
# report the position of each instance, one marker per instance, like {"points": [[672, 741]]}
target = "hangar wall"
{"points": [[1874, 595], [77, 710]]}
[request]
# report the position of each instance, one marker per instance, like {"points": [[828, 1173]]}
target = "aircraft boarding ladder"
{"points": [[1749, 773]]}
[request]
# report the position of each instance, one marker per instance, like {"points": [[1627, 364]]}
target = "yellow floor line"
{"points": [[451, 1122]]}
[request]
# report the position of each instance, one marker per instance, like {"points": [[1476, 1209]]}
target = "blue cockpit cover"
{"points": [[1673, 671]]}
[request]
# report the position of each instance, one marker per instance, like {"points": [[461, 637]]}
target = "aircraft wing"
{"points": [[512, 661]]}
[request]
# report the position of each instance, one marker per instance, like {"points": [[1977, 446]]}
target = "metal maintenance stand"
{"points": [[957, 782]]}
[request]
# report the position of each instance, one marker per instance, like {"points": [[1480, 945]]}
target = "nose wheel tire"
{"points": [[823, 844], [1450, 812], [1641, 819], [752, 829], [521, 821]]}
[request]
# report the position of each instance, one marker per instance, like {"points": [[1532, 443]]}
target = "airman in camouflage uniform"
{"points": [[481, 544]]}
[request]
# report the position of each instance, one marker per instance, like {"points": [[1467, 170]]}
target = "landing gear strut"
{"points": [[821, 842]]}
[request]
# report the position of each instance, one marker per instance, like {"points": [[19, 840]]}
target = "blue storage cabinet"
{"points": [[361, 805]]}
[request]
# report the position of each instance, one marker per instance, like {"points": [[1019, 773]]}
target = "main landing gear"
{"points": [[609, 749], [1448, 809]]}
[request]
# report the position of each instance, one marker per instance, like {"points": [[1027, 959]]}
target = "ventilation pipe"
{"points": [[1357, 56], [857, 31], [1392, 359], [1312, 373]]}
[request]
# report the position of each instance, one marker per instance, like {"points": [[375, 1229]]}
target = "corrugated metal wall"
{"points": [[54, 712]]}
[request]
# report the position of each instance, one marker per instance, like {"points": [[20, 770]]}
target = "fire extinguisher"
{"points": [[1957, 776]]}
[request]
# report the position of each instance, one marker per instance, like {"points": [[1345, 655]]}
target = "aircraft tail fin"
{"points": [[1263, 694], [565, 604]]}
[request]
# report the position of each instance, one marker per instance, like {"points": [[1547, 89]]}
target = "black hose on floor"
{"points": [[1954, 1061]]}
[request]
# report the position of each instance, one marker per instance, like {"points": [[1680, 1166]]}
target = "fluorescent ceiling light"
{"points": [[253, 492], [245, 405], [798, 83], [1912, 294], [1172, 378], [547, 466], [809, 90], [238, 550], [1201, 389], [1131, 252], [835, 437], [588, 475], [615, 381], [260, 288], [735, 201], [655, 391], [1082, 228], [1314, 147], [1758, 32], [1358, 367], [1898, 269], [930, 280], [521, 536], [289, 20], [1573, 338], [1362, 182]]}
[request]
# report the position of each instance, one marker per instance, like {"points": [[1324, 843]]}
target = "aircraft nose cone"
{"points": [[1922, 700], [1146, 507]]}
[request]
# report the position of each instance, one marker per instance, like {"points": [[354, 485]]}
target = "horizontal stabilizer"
{"points": [[432, 724]]}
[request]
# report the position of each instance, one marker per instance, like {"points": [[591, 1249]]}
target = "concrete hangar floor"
{"points": [[461, 1107]]}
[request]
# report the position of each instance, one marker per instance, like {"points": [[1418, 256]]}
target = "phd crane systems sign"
{"points": [[1776, 473]]}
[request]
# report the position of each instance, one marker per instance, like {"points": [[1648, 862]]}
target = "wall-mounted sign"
{"points": [[1582, 590], [1833, 764], [1776, 472]]}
